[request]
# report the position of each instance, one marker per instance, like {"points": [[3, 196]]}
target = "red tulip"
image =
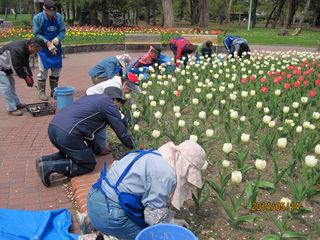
{"points": [[263, 80], [178, 94], [305, 83], [289, 75], [264, 89], [252, 78], [301, 78], [312, 93], [317, 82], [296, 84], [244, 81], [287, 86]]}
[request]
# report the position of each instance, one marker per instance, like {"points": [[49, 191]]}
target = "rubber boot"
{"points": [[53, 83], [42, 90], [51, 157], [45, 169]]}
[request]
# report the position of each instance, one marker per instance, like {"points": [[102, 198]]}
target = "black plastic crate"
{"points": [[41, 109]]}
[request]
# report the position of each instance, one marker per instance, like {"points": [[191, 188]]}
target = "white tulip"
{"points": [[216, 112], [227, 147], [282, 142], [316, 115], [223, 102], [198, 90], [286, 109], [157, 115], [177, 115], [236, 177], [127, 96], [243, 118], [317, 149], [202, 115], [304, 99], [209, 96], [277, 92], [181, 123], [225, 163], [136, 114], [196, 123], [311, 161], [272, 124], [312, 127], [252, 93], [306, 124], [286, 201], [266, 110], [193, 138], [244, 94], [259, 105], [188, 81], [260, 164], [162, 92], [155, 133], [136, 127], [195, 101], [205, 165], [151, 98], [180, 87], [295, 104], [299, 129], [222, 88], [133, 106], [153, 103], [245, 137], [266, 119], [209, 133], [144, 85], [234, 114], [230, 85], [176, 108], [165, 83], [233, 97], [162, 102]]}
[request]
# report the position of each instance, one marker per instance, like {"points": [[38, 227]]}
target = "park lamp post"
{"points": [[249, 18]]}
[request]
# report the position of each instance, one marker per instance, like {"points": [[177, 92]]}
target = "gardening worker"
{"points": [[73, 131], [181, 47], [49, 26], [15, 56], [148, 59], [204, 49], [236, 44], [126, 85], [136, 190], [109, 67]]}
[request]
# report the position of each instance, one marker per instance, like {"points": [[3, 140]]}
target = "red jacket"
{"points": [[148, 59], [178, 46]]}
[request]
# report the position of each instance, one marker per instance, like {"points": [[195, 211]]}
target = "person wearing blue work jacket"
{"points": [[237, 45], [49, 26], [136, 191], [109, 67], [74, 131]]}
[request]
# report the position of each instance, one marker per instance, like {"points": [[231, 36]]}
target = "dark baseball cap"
{"points": [[116, 93], [50, 5]]}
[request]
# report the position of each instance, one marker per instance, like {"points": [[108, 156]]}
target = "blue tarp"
{"points": [[35, 225]]}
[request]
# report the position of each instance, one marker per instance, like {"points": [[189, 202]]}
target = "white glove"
{"points": [[180, 222], [52, 48], [55, 41]]}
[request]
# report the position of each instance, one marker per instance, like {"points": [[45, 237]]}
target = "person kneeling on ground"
{"points": [[74, 131], [15, 56], [148, 59], [109, 67], [204, 49], [181, 47], [135, 192], [238, 45]]}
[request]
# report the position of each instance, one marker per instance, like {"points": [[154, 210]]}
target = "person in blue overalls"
{"points": [[204, 49], [109, 67], [238, 45], [136, 190], [49, 26]]}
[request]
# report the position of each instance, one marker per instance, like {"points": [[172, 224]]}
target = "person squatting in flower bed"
{"points": [[109, 67], [136, 190], [74, 131], [205, 50], [148, 59], [236, 45], [181, 47]]}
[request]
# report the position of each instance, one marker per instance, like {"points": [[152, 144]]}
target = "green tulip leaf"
{"points": [[289, 234], [266, 185], [270, 237]]}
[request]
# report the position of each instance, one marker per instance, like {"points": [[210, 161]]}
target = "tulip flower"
{"points": [[227, 147], [260, 164], [177, 115], [225, 163], [282, 143], [133, 106], [136, 114], [155, 133], [236, 177], [245, 137], [286, 201], [181, 123], [209, 133], [136, 127], [310, 161], [193, 138], [158, 115], [317, 149], [266, 119], [176, 109], [202, 115]]}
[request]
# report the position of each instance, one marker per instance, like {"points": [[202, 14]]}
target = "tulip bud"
{"points": [[195, 101], [295, 104], [176, 109], [153, 103], [155, 133], [202, 115], [181, 123], [216, 112], [259, 105], [317, 149], [277, 92], [266, 119], [227, 147], [193, 138], [272, 124], [306, 124], [177, 115], [136, 114], [157, 115], [162, 102], [286, 109], [311, 161], [196, 123], [133, 106], [236, 177], [299, 129], [282, 143], [209, 133], [225, 163], [245, 137], [260, 164]]}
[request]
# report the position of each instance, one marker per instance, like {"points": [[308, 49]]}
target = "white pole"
{"points": [[249, 19]]}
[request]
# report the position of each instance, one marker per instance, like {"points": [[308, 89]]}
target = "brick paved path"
{"points": [[24, 138]]}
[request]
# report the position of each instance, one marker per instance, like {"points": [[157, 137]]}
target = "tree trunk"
{"points": [[290, 10], [73, 7], [194, 4], [182, 6], [268, 20], [204, 13], [229, 11], [154, 19], [93, 17], [316, 19], [168, 13], [292, 13], [303, 14], [68, 10], [278, 13], [147, 13], [254, 12]]}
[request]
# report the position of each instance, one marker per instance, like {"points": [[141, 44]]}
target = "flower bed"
{"points": [[85, 35], [259, 122]]}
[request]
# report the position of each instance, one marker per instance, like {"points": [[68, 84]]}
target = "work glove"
{"points": [[29, 81], [52, 48], [55, 41], [180, 222]]}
